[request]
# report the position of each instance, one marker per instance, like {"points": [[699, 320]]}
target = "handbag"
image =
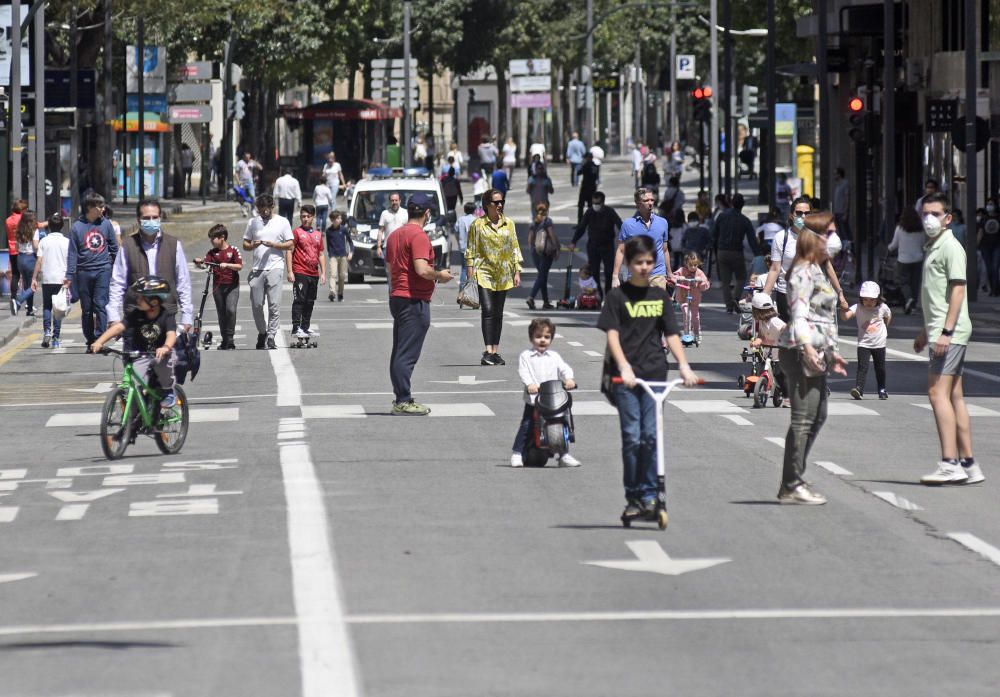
{"points": [[60, 304], [468, 294]]}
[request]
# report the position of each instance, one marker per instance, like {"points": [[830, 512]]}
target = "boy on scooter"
{"points": [[535, 366], [226, 282]]}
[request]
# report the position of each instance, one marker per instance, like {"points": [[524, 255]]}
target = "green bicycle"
{"points": [[133, 409]]}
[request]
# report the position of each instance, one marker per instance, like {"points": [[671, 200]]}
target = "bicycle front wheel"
{"points": [[173, 425], [116, 425]]}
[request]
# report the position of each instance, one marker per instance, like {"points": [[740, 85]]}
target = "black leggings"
{"points": [[491, 302], [878, 356]]}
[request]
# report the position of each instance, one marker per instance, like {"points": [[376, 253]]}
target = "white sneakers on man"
{"points": [[952, 473]]}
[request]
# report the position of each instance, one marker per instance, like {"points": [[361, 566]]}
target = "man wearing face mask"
{"points": [[92, 247], [151, 252], [947, 328], [601, 224], [782, 255]]}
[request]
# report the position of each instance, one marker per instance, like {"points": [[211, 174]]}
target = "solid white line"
{"points": [[897, 500], [780, 442], [738, 420], [834, 468], [977, 545], [922, 357], [289, 388]]}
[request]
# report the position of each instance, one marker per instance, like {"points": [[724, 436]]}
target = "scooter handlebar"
{"points": [[669, 383]]}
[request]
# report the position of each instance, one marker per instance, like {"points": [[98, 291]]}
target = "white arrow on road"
{"points": [[466, 380], [99, 388], [652, 558], [5, 578]]}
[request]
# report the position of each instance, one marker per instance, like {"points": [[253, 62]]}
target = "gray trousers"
{"points": [[266, 284], [147, 367], [808, 399]]}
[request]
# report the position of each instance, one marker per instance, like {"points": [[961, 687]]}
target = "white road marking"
{"points": [[974, 409], [334, 411], [460, 409], [707, 406], [922, 358], [651, 558], [466, 380], [289, 388], [508, 313], [779, 441], [837, 408], [7, 578], [593, 408], [99, 388], [738, 420], [897, 500], [977, 545], [834, 468], [574, 343], [451, 325], [201, 415], [8, 513], [594, 354], [373, 325]]}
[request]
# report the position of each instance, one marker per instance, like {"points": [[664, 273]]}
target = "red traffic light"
{"points": [[698, 93], [856, 104], [707, 92]]}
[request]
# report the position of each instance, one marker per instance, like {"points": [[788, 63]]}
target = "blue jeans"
{"points": [[574, 172], [26, 268], [524, 429], [542, 264], [91, 287], [637, 418], [321, 213], [410, 321], [52, 327], [464, 276]]}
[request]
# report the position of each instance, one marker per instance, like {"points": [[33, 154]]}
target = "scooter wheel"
{"points": [[661, 519]]}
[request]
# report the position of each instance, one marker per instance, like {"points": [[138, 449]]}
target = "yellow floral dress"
{"points": [[494, 253]]}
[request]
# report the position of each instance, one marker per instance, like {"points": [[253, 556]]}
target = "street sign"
{"points": [[5, 48], [531, 83], [57, 88], [531, 100], [184, 92], [154, 69], [156, 103], [194, 70], [607, 83], [941, 114], [530, 66], [190, 113], [685, 67], [383, 63]]}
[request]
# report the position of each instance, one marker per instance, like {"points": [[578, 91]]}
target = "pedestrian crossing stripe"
{"points": [[974, 409], [94, 418], [359, 411], [834, 408], [707, 406]]}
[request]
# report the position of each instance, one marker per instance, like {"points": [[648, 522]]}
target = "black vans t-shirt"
{"points": [[144, 334], [641, 316]]}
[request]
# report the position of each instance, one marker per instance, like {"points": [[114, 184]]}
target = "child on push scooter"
{"points": [[226, 282], [535, 366], [691, 275], [636, 317]]}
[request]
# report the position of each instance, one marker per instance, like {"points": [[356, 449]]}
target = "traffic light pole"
{"points": [[407, 115], [825, 146], [713, 135], [971, 159], [767, 169], [727, 92], [226, 153], [889, 115]]}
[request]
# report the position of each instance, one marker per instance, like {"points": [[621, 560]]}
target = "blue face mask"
{"points": [[799, 222], [149, 227]]}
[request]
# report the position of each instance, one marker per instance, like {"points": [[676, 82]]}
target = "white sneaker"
{"points": [[301, 333], [515, 460], [975, 474], [567, 460], [946, 473], [313, 331]]}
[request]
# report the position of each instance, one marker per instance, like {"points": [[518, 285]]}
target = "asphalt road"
{"points": [[304, 542]]}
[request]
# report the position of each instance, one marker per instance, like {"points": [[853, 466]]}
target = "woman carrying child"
{"points": [[636, 317], [809, 348], [873, 316], [691, 275]]}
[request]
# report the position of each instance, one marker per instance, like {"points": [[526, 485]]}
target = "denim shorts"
{"points": [[951, 363]]}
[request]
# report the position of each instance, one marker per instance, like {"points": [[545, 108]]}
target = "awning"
{"points": [[151, 123]]}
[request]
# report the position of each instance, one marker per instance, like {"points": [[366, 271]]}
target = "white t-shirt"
{"points": [[777, 247], [287, 187], [53, 251], [276, 229], [769, 331], [332, 175], [510, 153], [27, 247], [872, 332], [322, 195], [391, 221], [636, 159]]}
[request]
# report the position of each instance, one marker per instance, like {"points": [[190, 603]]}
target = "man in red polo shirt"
{"points": [[410, 259]]}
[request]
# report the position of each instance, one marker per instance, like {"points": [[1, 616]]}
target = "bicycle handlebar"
{"points": [[126, 354]]}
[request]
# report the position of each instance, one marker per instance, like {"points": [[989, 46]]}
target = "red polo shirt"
{"points": [[406, 244]]}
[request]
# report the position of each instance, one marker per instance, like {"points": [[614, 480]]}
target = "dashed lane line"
{"points": [[977, 545], [94, 418], [974, 409], [738, 420], [834, 468], [898, 501], [922, 358]]}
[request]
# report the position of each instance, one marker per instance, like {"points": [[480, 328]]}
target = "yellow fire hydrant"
{"points": [[804, 156]]}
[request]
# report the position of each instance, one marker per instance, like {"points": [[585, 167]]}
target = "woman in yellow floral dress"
{"points": [[493, 258]]}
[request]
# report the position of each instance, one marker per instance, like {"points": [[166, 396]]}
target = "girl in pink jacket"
{"points": [[690, 274]]}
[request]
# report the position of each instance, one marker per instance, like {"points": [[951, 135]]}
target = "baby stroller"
{"points": [[891, 290], [243, 199]]}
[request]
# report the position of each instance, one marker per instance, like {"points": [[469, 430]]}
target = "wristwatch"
{"points": [[947, 332]]}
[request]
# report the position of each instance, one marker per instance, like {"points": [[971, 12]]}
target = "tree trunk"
{"points": [[502, 108], [366, 77], [558, 118], [352, 78]]}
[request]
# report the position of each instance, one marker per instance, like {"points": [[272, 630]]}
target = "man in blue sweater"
{"points": [[92, 249]]}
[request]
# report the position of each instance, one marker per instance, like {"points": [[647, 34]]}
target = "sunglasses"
{"points": [[497, 203]]}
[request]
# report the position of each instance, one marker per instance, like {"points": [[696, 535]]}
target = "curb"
{"points": [[11, 327]]}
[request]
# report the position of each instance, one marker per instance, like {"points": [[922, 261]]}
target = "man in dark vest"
{"points": [[150, 251]]}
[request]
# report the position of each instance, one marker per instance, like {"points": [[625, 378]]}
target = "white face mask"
{"points": [[932, 226], [597, 207], [833, 245]]}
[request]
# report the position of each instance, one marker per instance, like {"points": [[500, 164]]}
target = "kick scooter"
{"points": [[659, 392]]}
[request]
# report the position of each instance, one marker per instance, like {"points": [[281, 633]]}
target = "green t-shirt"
{"points": [[944, 261]]}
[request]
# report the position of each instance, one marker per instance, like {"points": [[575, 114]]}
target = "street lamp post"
{"points": [[15, 98], [588, 124], [713, 136], [407, 154]]}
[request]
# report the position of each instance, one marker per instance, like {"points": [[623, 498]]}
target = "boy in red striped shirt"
{"points": [[306, 265]]}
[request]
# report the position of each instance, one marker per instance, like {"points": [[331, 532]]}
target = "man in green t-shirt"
{"points": [[947, 328]]}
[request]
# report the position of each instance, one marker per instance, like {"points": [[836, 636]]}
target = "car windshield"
{"points": [[370, 204]]}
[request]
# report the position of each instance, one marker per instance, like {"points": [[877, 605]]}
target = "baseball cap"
{"points": [[420, 200], [870, 289], [762, 301]]}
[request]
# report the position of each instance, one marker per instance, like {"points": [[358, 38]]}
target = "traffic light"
{"points": [[750, 102], [857, 115], [239, 108], [702, 103]]}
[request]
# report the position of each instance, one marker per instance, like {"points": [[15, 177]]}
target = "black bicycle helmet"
{"points": [[152, 287]]}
